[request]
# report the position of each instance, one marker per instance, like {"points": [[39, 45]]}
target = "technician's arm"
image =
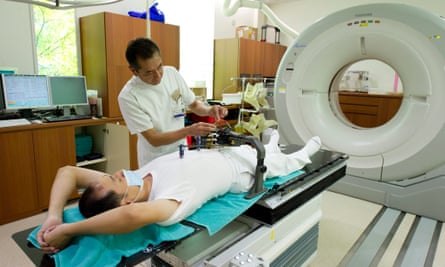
{"points": [[216, 111], [156, 138], [119, 220], [67, 179]]}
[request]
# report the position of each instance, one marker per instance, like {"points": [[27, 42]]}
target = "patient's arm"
{"points": [[67, 179], [123, 219]]}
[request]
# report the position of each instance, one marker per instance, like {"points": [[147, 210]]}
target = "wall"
{"points": [[17, 45]]}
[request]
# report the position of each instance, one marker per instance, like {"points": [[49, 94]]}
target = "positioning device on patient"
{"points": [[226, 136]]}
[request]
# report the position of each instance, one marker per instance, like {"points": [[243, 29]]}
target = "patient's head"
{"points": [[93, 202]]}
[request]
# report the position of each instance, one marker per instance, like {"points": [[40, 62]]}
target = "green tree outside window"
{"points": [[55, 33]]}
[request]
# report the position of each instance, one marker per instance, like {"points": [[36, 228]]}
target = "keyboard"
{"points": [[14, 122], [66, 118]]}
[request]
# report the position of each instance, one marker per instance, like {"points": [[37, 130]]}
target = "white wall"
{"points": [[225, 27], [16, 45]]}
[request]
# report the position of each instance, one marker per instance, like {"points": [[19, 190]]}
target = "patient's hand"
{"points": [[50, 222], [56, 237]]}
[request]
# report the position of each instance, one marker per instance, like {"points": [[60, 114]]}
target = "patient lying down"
{"points": [[164, 191]]}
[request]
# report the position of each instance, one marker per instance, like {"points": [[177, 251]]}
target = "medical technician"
{"points": [[154, 101]]}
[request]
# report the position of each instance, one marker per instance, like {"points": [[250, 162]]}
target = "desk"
{"points": [[32, 154], [369, 110]]}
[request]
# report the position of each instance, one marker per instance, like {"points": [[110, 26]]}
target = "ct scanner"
{"points": [[401, 163]]}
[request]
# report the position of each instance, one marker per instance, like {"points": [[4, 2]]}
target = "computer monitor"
{"points": [[25, 91], [68, 90]]}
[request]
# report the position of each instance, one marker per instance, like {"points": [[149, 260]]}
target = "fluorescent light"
{"points": [[67, 4]]}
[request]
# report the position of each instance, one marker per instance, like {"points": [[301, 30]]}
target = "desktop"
{"points": [[68, 93], [43, 97], [25, 92]]}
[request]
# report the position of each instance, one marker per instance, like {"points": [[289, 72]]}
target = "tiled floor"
{"points": [[343, 221]]}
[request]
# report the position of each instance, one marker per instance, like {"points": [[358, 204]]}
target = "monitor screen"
{"points": [[25, 91], [68, 90]]}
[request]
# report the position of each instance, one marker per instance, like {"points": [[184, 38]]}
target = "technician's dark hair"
{"points": [[142, 48], [90, 205]]}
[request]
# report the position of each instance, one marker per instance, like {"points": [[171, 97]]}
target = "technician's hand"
{"points": [[218, 112], [201, 129], [49, 223], [56, 237]]}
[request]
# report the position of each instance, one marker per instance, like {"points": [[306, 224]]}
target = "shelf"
{"points": [[90, 162], [254, 110]]}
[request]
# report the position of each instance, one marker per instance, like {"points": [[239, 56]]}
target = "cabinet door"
{"points": [[18, 181], [112, 141], [119, 30], [116, 147], [225, 60], [166, 36], [53, 148], [271, 58], [249, 57]]}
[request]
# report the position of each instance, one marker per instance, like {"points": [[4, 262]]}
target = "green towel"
{"points": [[220, 211], [107, 250]]}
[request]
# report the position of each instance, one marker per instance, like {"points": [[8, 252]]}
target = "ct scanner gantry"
{"points": [[401, 163]]}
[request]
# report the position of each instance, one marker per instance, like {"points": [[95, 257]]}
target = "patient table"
{"points": [[279, 229], [275, 224]]}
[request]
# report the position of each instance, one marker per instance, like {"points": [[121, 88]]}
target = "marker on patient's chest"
{"points": [[181, 151]]}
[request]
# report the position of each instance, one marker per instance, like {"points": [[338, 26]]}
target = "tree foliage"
{"points": [[55, 33]]}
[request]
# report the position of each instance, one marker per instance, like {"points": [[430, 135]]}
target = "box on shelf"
{"points": [[231, 98], [246, 32], [84, 145]]}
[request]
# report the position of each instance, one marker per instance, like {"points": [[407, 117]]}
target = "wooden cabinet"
{"points": [[369, 110], [32, 154], [241, 57], [53, 148], [18, 196], [271, 58], [104, 39]]}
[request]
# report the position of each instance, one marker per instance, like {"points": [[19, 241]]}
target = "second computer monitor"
{"points": [[68, 90]]}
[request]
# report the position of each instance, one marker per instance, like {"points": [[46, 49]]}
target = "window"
{"points": [[55, 33]]}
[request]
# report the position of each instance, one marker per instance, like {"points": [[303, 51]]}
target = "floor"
{"points": [[344, 222]]}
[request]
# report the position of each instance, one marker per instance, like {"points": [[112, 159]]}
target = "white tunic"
{"points": [[146, 106]]}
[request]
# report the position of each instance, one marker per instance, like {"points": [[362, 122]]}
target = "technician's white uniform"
{"points": [[161, 106]]}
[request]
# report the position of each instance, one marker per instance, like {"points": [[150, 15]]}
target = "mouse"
{"points": [[37, 121]]}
